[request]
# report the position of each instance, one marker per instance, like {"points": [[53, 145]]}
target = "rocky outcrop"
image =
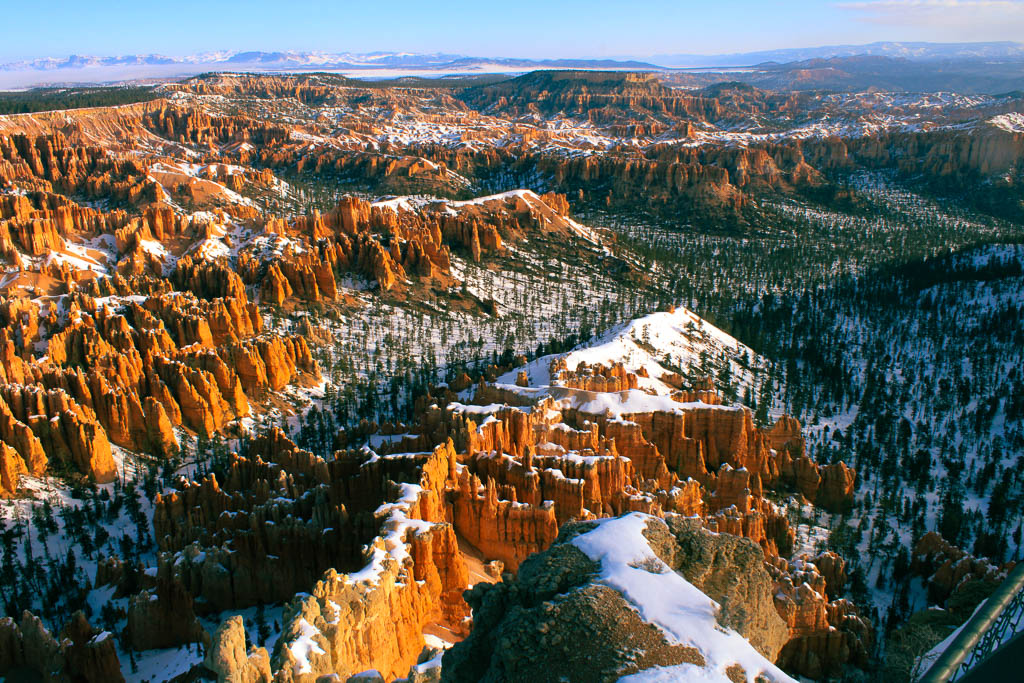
{"points": [[139, 326], [539, 457], [54, 163], [564, 615], [269, 363], [826, 634], [124, 360], [606, 97], [823, 653], [597, 378], [35, 422], [729, 570], [947, 568], [81, 653], [405, 569], [12, 466], [358, 625], [391, 242], [89, 654], [228, 659], [503, 474], [163, 618], [501, 529], [28, 455], [275, 288], [190, 125]]}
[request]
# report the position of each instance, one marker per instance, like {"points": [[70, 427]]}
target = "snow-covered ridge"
{"points": [[656, 345], [670, 602], [1012, 122], [419, 202], [391, 544]]}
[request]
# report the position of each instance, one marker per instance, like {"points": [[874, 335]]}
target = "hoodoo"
{"points": [[508, 370]]}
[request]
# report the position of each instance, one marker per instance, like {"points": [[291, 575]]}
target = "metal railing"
{"points": [[991, 626]]}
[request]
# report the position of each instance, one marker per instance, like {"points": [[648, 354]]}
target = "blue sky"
{"points": [[527, 28]]}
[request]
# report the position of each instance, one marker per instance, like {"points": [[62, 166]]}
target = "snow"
{"points": [[616, 405], [432, 663], [303, 646], [210, 249], [158, 250], [673, 674], [391, 545], [196, 170], [153, 247], [152, 665], [526, 195], [418, 202], [368, 675], [464, 409], [160, 665], [667, 600], [679, 339], [664, 331], [1012, 122], [398, 204], [77, 259]]}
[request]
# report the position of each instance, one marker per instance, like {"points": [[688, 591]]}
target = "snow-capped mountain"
{"points": [[90, 69], [298, 59], [233, 57], [292, 59]]}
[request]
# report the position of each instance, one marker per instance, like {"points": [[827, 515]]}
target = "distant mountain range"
{"points": [[79, 69], [315, 60], [442, 61], [859, 73], [967, 67], [284, 59], [912, 51]]}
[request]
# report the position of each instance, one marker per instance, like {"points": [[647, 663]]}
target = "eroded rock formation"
{"points": [[947, 568], [80, 653], [566, 614]]}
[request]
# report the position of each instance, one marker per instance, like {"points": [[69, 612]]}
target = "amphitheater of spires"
{"points": [[170, 338], [499, 474], [493, 131], [127, 322], [394, 534]]}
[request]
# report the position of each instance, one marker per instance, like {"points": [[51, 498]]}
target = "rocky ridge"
{"points": [[625, 140], [502, 479], [583, 608]]}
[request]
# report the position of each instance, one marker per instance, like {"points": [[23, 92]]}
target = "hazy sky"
{"points": [[519, 28]]}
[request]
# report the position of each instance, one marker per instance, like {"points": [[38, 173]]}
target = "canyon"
{"points": [[395, 366]]}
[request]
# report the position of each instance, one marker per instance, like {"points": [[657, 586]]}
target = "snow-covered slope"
{"points": [[677, 341], [666, 599]]}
